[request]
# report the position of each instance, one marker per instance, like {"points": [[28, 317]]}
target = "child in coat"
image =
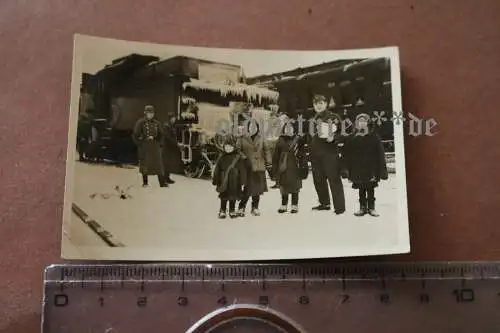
{"points": [[229, 178], [289, 167], [365, 163]]}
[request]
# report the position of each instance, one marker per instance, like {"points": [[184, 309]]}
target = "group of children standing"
{"points": [[240, 171]]}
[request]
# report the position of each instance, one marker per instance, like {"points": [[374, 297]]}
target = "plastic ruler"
{"points": [[314, 298]]}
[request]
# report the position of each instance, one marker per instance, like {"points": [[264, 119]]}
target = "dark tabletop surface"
{"points": [[449, 54]]}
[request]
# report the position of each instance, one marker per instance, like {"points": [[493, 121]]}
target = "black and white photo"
{"points": [[191, 153]]}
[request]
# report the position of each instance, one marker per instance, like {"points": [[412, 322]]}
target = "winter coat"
{"points": [[170, 152], [364, 160], [258, 160], [230, 182], [290, 179], [256, 151], [149, 151]]}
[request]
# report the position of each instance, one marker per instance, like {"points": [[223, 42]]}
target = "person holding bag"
{"points": [[229, 177], [257, 157], [290, 167]]}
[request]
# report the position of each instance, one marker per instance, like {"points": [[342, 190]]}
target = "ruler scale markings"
{"points": [[142, 281], [223, 283], [263, 279], [122, 279], [61, 279], [304, 279], [343, 280], [196, 271], [183, 281], [83, 279]]}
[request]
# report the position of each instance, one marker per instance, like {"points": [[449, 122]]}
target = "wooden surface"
{"points": [[449, 53]]}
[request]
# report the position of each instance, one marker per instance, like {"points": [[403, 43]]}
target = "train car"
{"points": [[198, 93], [342, 82]]}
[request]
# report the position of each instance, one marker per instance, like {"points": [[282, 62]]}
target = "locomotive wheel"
{"points": [[194, 170]]}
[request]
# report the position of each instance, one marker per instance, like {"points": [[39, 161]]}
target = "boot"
{"points": [[241, 212], [282, 209], [371, 210], [371, 206], [295, 209], [233, 214], [168, 180], [255, 212], [339, 211], [321, 207], [162, 181], [362, 210], [222, 214]]}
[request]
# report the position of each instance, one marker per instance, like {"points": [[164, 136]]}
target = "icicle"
{"points": [[238, 89]]}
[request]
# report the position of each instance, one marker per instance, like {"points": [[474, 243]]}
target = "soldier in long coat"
{"points": [[148, 136], [325, 156]]}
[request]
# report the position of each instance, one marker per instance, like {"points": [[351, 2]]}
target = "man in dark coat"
{"points": [[170, 152], [325, 156], [148, 136]]}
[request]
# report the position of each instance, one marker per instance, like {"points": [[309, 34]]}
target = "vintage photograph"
{"points": [[186, 153]]}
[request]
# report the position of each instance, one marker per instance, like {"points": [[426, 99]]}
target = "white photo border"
{"points": [[83, 44]]}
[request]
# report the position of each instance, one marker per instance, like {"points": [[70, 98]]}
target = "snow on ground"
{"points": [[183, 217]]}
